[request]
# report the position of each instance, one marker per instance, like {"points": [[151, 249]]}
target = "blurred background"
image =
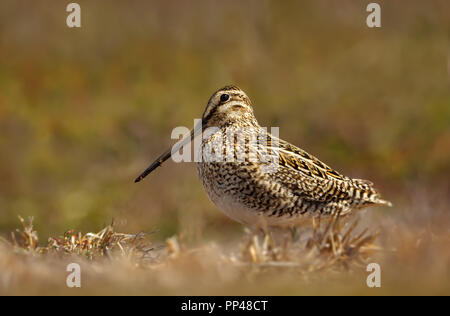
{"points": [[83, 111]]}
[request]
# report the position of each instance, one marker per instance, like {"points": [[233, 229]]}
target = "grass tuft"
{"points": [[329, 244], [107, 243]]}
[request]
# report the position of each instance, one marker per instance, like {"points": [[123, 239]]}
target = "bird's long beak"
{"points": [[168, 153]]}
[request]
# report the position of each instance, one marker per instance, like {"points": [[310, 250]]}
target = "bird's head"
{"points": [[227, 106]]}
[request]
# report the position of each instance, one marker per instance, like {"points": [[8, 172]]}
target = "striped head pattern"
{"points": [[228, 106]]}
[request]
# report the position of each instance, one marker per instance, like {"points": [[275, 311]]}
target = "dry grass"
{"points": [[332, 244], [327, 258], [106, 243]]}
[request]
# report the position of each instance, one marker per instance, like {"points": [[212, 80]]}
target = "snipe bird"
{"points": [[300, 187]]}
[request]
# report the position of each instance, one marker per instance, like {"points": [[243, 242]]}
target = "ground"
{"points": [[330, 257]]}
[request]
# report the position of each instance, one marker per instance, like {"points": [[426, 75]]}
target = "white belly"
{"points": [[235, 210], [218, 189]]}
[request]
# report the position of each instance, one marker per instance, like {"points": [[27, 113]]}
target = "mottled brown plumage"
{"points": [[246, 189]]}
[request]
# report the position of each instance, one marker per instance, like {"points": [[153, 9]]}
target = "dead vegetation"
{"points": [[328, 257], [329, 245], [107, 243], [331, 242]]}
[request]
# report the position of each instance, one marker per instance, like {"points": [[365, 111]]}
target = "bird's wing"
{"points": [[311, 179], [299, 160]]}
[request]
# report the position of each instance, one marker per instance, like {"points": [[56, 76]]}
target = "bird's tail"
{"points": [[383, 202], [366, 192]]}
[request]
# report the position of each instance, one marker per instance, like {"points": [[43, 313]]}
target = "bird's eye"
{"points": [[224, 98]]}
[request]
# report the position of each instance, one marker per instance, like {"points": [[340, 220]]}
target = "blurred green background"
{"points": [[83, 111]]}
